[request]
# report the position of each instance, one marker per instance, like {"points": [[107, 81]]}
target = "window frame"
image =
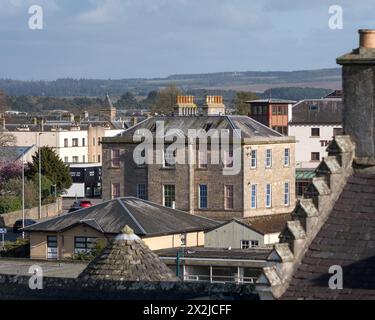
{"points": [[141, 192], [118, 187], [254, 196], [268, 158], [200, 197], [314, 135], [312, 158], [287, 157], [87, 247], [115, 159], [268, 195], [255, 159], [172, 195], [229, 199], [286, 194]]}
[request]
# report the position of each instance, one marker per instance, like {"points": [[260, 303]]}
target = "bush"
{"points": [[16, 249], [10, 204]]}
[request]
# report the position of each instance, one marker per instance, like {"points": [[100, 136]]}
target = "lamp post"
{"points": [[23, 194], [40, 178]]}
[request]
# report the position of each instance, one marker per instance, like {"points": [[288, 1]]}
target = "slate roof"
{"points": [[217, 253], [145, 218], [317, 111], [346, 239], [127, 258], [272, 223], [248, 126], [272, 100], [13, 153]]}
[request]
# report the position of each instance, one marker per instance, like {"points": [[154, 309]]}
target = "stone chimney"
{"points": [[185, 106], [358, 76], [214, 106]]}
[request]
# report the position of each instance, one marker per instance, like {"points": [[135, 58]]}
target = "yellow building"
{"points": [[78, 232]]}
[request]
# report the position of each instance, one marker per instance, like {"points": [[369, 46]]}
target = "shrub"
{"points": [[10, 204]]}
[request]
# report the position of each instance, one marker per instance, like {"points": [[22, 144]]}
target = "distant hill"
{"points": [[221, 81]]}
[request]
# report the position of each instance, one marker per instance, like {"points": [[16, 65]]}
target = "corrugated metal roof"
{"points": [[305, 174]]}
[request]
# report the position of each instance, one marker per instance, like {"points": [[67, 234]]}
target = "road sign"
{"points": [[3, 230]]}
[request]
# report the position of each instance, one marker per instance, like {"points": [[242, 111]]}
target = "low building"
{"points": [[273, 113], [247, 233], [12, 154], [314, 123], [216, 265], [78, 232], [87, 181]]}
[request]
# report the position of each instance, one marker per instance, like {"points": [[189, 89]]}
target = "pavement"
{"points": [[50, 268]]}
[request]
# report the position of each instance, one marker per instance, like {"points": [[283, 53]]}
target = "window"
{"points": [[313, 107], [66, 143], [286, 157], [83, 159], [141, 191], [115, 190], [99, 158], [286, 194], [315, 156], [315, 132], [268, 195], [115, 157], [169, 158], [254, 196], [52, 251], [75, 159], [75, 142], [253, 159], [301, 187], [83, 142], [203, 196], [99, 140], [202, 159], [183, 237], [247, 244], [337, 132], [84, 244], [93, 141], [228, 190], [228, 158], [169, 196], [268, 158], [66, 159]]}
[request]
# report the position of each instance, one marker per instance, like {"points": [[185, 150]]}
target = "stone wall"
{"points": [[49, 210], [17, 287]]}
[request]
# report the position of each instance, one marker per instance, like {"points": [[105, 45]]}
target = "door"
{"points": [[52, 250]]}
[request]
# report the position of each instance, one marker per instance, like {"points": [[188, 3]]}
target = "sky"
{"points": [[117, 39]]}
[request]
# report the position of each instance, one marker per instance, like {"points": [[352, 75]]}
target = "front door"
{"points": [[52, 250]]}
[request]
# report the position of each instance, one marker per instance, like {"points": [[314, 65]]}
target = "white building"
{"points": [[314, 123]]}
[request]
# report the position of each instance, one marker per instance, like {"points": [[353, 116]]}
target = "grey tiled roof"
{"points": [[346, 239], [248, 126], [144, 217], [127, 259], [318, 111]]}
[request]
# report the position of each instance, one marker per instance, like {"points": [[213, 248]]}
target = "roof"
{"points": [[248, 126], [302, 174], [278, 101], [127, 258], [147, 219], [272, 223], [217, 253], [14, 153], [347, 239], [317, 111]]}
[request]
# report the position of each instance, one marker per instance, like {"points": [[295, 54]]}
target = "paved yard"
{"points": [[50, 268]]}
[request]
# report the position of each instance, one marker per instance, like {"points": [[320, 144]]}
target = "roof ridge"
{"points": [[131, 215]]}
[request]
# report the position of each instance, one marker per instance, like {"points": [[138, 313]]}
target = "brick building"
{"points": [[264, 184]]}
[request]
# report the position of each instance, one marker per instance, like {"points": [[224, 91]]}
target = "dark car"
{"points": [[82, 204], [18, 224], [73, 209]]}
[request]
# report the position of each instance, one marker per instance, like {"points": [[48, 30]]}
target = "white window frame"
{"points": [[254, 196], [269, 205], [255, 159], [245, 244], [287, 194], [286, 157], [200, 196], [268, 158]]}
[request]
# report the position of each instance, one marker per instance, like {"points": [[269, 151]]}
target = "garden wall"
{"points": [[48, 210]]}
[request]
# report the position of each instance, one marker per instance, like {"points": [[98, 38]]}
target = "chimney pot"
{"points": [[367, 38]]}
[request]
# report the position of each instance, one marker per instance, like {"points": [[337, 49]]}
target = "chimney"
{"points": [[358, 80], [214, 106], [185, 106]]}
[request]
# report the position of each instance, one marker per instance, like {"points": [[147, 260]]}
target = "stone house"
{"points": [[263, 185]]}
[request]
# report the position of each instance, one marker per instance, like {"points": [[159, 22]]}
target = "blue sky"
{"points": [[155, 38]]}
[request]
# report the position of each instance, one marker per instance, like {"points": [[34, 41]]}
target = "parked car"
{"points": [[82, 204], [18, 224]]}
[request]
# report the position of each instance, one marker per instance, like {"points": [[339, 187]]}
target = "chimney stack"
{"points": [[358, 80]]}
